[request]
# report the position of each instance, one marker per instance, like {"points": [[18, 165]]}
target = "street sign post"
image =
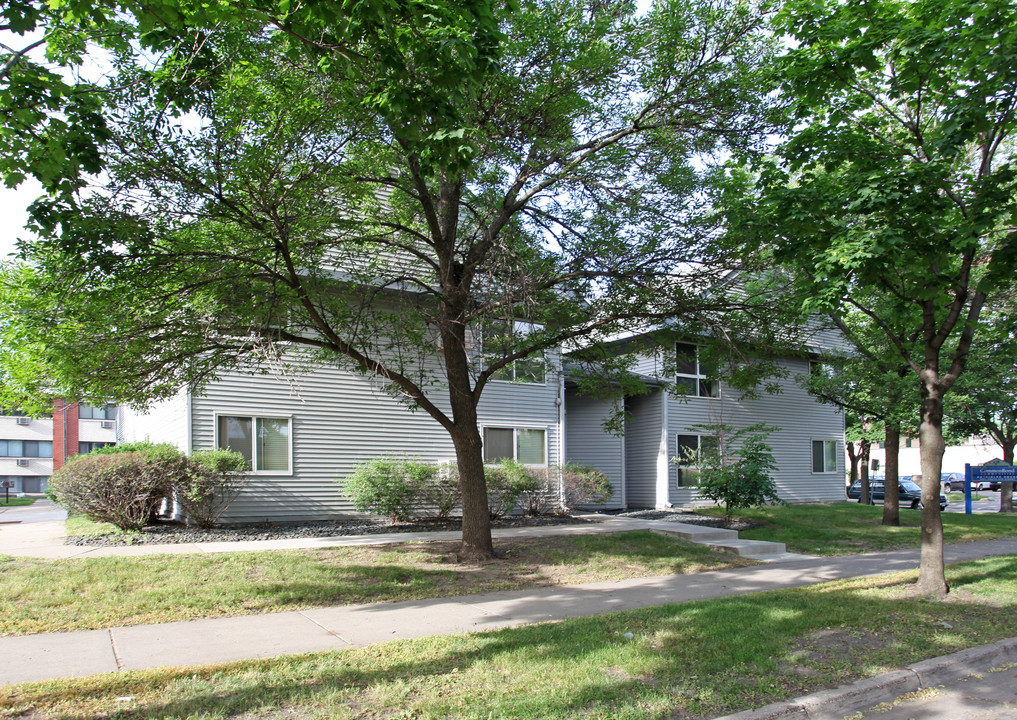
{"points": [[996, 473]]}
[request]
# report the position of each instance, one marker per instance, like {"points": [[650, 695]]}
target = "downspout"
{"points": [[624, 474], [560, 403], [663, 466]]}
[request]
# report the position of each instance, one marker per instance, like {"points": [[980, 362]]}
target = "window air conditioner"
{"points": [[24, 420], [23, 462], [106, 424]]}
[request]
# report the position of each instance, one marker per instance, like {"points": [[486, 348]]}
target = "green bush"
{"points": [[395, 487], [212, 482], [122, 488], [506, 482], [743, 479]]}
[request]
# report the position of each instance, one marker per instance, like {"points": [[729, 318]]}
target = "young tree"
{"points": [[893, 194], [871, 383], [987, 395], [268, 209]]}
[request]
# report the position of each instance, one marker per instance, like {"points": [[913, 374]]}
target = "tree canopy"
{"points": [[893, 193], [261, 199]]}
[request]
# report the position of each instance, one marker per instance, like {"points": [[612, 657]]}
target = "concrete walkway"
{"points": [[73, 654], [46, 539]]}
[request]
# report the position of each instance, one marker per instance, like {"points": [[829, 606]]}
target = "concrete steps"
{"points": [[728, 541]]}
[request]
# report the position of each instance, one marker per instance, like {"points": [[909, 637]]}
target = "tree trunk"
{"points": [[853, 459], [891, 463], [863, 455], [476, 543], [1006, 489], [932, 571]]}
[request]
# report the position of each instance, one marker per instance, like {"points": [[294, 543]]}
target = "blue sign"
{"points": [[996, 473]]}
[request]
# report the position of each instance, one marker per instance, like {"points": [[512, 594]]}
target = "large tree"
{"points": [[892, 193], [264, 204]]}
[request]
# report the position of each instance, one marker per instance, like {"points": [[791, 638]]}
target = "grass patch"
{"points": [[958, 498], [54, 595], [86, 527], [688, 661], [847, 528], [16, 501]]}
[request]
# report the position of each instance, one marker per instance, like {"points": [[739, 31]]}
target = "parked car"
{"points": [[952, 481], [909, 493]]}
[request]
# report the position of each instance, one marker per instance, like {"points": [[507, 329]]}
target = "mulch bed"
{"points": [[173, 533]]}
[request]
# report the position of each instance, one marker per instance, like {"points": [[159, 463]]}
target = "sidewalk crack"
{"points": [[328, 631], [113, 646]]}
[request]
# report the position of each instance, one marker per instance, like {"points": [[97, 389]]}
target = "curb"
{"points": [[835, 703]]}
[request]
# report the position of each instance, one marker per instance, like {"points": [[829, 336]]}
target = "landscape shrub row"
{"points": [[125, 484], [406, 488]]}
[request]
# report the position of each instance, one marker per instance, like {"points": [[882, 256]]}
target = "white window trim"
{"points": [[514, 427], [515, 380], [678, 468], [699, 377], [521, 327], [288, 417], [811, 456]]}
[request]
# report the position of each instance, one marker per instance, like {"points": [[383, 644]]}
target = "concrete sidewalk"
{"points": [[73, 654], [46, 539]]}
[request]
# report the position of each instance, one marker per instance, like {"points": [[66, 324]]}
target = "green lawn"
{"points": [[16, 501], [47, 595], [847, 528], [688, 661], [957, 498]]}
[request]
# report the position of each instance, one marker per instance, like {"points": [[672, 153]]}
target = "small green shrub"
{"points": [[741, 478], [390, 486], [506, 482], [213, 480], [121, 488]]}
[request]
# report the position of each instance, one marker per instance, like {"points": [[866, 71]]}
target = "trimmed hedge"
{"points": [[124, 484], [120, 488]]}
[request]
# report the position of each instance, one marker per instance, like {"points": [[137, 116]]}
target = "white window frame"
{"points": [[521, 327], [107, 410], [255, 416], [515, 439], [812, 456], [699, 447], [699, 377]]}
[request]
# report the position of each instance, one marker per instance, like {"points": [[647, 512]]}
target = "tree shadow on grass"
{"points": [[688, 660]]}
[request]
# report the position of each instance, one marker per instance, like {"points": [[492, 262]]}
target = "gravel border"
{"points": [[174, 533]]}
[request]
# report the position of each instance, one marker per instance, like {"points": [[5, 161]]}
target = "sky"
{"points": [[14, 214]]}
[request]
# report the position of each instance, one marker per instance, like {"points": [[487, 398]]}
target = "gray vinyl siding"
{"points": [[642, 448], [588, 443], [799, 419], [340, 419]]}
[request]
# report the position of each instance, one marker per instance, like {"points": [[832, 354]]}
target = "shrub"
{"points": [[505, 483], [390, 486], [442, 493], [743, 479], [122, 488], [583, 485], [213, 480]]}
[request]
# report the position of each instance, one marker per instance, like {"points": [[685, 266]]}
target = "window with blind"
{"points": [[263, 441], [527, 445], [26, 448], [824, 456]]}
